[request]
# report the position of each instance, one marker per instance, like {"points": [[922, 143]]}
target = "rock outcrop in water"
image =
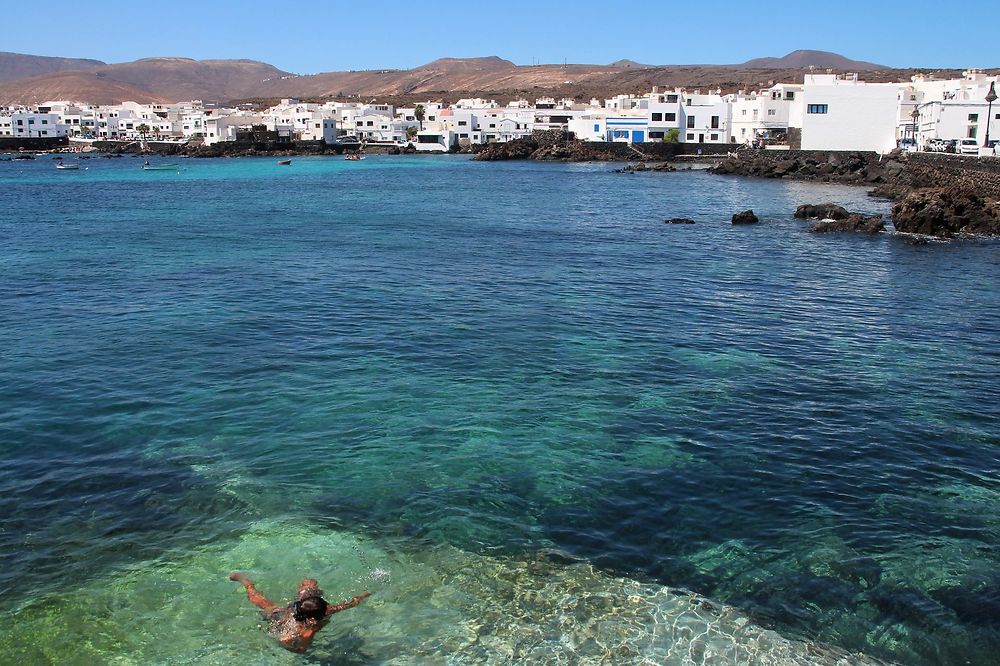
{"points": [[946, 212], [827, 211], [678, 220], [746, 217], [834, 218], [855, 222]]}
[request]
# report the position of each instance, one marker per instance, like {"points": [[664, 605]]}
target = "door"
{"points": [[701, 138], [638, 136]]}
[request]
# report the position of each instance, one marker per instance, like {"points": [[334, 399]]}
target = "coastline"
{"points": [[938, 195]]}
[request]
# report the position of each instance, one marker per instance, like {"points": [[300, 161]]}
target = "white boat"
{"points": [[160, 167], [71, 167]]}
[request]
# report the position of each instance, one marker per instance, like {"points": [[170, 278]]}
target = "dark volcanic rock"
{"points": [[746, 217], [518, 149], [642, 166], [855, 222], [946, 212], [678, 220], [827, 211]]}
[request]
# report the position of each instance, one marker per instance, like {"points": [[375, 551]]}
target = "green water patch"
{"points": [[430, 605]]}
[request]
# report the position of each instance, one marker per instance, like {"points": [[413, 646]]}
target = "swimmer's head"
{"points": [[309, 608]]}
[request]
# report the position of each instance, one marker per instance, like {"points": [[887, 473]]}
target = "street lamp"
{"points": [[991, 97], [916, 118]]}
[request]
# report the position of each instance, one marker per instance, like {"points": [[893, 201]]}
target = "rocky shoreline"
{"points": [[934, 197], [942, 196]]}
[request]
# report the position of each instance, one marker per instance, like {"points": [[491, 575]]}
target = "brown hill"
{"points": [[75, 86], [15, 66], [149, 79], [182, 79], [804, 59]]}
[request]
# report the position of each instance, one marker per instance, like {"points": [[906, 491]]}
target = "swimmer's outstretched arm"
{"points": [[344, 605], [255, 597]]}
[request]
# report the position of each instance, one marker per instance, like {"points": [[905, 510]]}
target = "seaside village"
{"points": [[824, 112]]}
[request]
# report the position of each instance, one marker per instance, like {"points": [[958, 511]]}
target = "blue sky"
{"points": [[307, 37]]}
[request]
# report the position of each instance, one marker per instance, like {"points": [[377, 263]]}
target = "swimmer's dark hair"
{"points": [[310, 608]]}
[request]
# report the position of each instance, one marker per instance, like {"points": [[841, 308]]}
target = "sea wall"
{"points": [[11, 144]]}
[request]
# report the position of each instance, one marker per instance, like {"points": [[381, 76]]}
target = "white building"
{"points": [[848, 114], [706, 118], [35, 125]]}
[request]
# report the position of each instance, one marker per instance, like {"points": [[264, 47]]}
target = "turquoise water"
{"points": [[504, 397]]}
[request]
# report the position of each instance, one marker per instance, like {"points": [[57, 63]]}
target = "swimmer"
{"points": [[295, 625]]}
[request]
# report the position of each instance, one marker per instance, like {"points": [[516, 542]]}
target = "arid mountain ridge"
{"points": [[28, 79]]}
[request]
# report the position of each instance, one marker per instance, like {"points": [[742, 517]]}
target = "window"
{"points": [[45, 122], [657, 117], [816, 108], [715, 122], [690, 122], [973, 117], [790, 95], [462, 123], [672, 117], [714, 137], [463, 136], [972, 132], [493, 125], [597, 128], [317, 125], [656, 135], [744, 112], [31, 121], [690, 137], [672, 99], [771, 112]]}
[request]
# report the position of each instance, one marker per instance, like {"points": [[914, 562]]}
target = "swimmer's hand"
{"points": [[344, 605], [236, 575]]}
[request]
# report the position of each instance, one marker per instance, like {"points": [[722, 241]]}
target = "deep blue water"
{"points": [[507, 359]]}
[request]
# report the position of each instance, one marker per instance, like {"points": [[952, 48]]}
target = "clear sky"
{"points": [[308, 37]]}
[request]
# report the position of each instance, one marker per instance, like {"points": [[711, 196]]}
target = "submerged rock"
{"points": [[746, 217], [678, 220]]}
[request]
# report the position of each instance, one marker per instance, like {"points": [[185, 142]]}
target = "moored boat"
{"points": [[160, 167], [284, 162], [68, 167]]}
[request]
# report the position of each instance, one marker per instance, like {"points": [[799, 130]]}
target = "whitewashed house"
{"points": [[843, 113], [706, 118]]}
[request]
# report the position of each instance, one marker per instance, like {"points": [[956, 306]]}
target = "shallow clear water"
{"points": [[507, 399]]}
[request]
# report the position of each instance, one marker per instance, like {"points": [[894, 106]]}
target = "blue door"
{"points": [[638, 136]]}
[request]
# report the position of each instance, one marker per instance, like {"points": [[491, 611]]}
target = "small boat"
{"points": [[160, 167], [354, 158], [284, 162], [70, 167]]}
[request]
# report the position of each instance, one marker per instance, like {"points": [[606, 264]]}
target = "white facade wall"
{"points": [[31, 125], [589, 128], [706, 120], [958, 120], [664, 114], [845, 114]]}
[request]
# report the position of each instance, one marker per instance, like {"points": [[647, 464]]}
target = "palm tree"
{"points": [[142, 129], [156, 132], [418, 113]]}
